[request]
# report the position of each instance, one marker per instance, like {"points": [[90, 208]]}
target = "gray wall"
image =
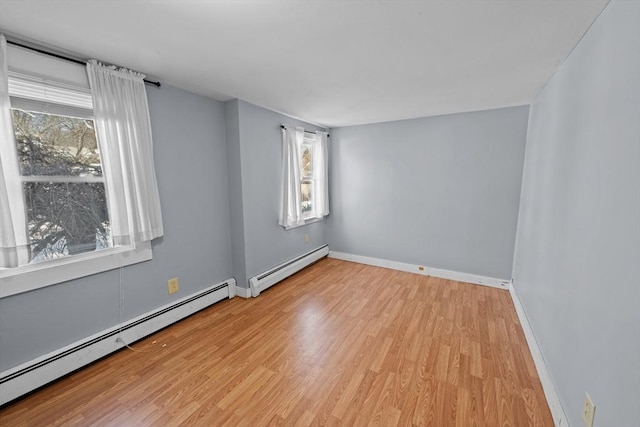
{"points": [[577, 262], [439, 191], [259, 144], [190, 158], [236, 208]]}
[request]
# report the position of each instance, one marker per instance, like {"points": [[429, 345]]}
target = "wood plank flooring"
{"points": [[339, 343]]}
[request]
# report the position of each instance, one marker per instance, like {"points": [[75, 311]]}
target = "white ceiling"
{"points": [[334, 63]]}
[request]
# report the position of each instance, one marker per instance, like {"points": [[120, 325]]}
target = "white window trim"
{"points": [[38, 275], [311, 214], [80, 179], [306, 222]]}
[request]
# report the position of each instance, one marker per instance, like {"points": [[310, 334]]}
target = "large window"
{"points": [[60, 188], [78, 193], [62, 183]]}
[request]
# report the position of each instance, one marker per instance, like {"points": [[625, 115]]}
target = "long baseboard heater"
{"points": [[270, 277], [34, 374]]}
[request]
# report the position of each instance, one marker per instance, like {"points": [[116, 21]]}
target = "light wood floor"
{"points": [[337, 344]]}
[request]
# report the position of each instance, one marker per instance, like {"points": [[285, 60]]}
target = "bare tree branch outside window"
{"points": [[62, 181]]}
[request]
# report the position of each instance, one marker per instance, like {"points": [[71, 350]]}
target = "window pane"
{"points": [[307, 196], [306, 160], [49, 144], [66, 218]]}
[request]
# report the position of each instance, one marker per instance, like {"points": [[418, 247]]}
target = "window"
{"points": [[60, 187], [78, 193], [307, 182], [305, 187], [62, 184]]}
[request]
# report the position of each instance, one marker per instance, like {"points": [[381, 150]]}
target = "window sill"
{"points": [[306, 222], [35, 276]]}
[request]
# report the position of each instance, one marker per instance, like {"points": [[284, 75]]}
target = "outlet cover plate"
{"points": [[588, 410], [173, 285]]}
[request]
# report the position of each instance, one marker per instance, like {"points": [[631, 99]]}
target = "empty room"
{"points": [[317, 212]]}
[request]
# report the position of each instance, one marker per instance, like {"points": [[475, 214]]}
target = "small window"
{"points": [[305, 184], [63, 186], [307, 179]]}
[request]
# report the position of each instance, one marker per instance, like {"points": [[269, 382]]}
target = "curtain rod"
{"points": [[66, 58], [306, 131]]}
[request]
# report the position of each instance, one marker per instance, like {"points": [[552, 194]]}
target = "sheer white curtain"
{"points": [[321, 170], [290, 205], [13, 224], [121, 117]]}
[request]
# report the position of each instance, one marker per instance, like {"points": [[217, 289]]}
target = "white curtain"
{"points": [[121, 117], [321, 171], [290, 205], [13, 224]]}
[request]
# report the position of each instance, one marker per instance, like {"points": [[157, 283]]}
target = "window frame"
{"points": [[31, 276], [38, 275], [18, 104], [311, 179]]}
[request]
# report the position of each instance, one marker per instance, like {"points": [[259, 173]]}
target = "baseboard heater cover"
{"points": [[272, 276], [38, 372]]}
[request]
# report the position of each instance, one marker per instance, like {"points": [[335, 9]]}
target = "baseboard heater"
{"points": [[34, 374], [270, 277]]}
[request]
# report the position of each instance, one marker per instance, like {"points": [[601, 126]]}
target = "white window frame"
{"points": [[310, 142], [37, 275]]}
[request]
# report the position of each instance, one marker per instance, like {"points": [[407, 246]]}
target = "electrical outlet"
{"points": [[173, 285], [307, 239], [588, 410]]}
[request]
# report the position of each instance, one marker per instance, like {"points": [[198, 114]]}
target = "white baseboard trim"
{"points": [[469, 278], [243, 292], [377, 262], [260, 282], [424, 270], [35, 373], [557, 412]]}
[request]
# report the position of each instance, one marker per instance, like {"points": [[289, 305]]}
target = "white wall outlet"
{"points": [[588, 410], [307, 239]]}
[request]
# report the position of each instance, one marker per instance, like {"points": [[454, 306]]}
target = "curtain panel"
{"points": [[290, 203], [321, 168], [13, 224], [123, 128]]}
